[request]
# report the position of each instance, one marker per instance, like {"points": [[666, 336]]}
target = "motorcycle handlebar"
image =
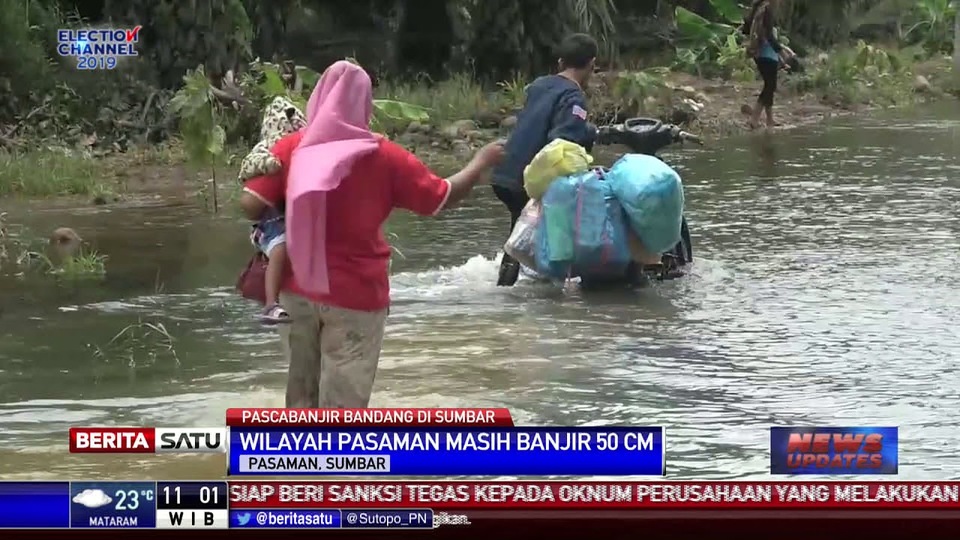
{"points": [[680, 135], [645, 135], [684, 136]]}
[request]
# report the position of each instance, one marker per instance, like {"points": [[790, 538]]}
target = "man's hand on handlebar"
{"points": [[682, 136], [689, 137], [608, 134]]}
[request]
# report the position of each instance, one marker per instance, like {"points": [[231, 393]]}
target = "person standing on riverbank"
{"points": [[340, 182], [767, 53], [555, 108]]}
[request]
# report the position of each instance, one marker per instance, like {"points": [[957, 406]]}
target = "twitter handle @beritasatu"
{"points": [[291, 519], [330, 518]]}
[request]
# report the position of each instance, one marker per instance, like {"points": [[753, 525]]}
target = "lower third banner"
{"points": [[361, 518], [593, 451], [564, 495]]}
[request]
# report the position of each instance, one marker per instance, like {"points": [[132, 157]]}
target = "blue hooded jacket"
{"points": [[555, 108]]}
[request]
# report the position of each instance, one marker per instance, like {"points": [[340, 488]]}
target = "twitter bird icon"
{"points": [[243, 519]]}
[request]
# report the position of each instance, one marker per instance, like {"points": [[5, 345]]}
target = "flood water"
{"points": [[824, 292]]}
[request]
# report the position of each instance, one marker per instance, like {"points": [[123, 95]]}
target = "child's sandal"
{"points": [[275, 314]]}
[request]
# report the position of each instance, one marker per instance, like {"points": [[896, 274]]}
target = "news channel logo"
{"points": [[833, 450], [113, 505], [98, 48]]}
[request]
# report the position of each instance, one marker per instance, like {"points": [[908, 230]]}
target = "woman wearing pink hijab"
{"points": [[339, 183]]}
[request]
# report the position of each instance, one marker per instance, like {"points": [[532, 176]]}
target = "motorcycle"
{"points": [[643, 136], [649, 136]]}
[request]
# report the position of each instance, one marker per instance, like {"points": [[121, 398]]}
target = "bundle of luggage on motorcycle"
{"points": [[591, 222]]}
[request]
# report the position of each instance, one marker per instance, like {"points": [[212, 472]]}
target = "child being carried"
{"points": [[281, 118]]}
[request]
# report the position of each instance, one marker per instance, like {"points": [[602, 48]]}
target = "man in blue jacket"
{"points": [[555, 108]]}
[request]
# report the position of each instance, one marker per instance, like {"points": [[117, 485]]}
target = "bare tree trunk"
{"points": [[213, 180], [956, 44], [389, 24]]}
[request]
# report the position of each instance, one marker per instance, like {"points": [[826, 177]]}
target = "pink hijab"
{"points": [[337, 134]]}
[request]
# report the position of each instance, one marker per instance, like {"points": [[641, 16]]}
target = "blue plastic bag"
{"points": [[554, 254], [582, 230], [651, 194], [601, 246]]}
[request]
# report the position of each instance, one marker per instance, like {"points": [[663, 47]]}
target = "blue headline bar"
{"points": [[531, 451], [37, 505]]}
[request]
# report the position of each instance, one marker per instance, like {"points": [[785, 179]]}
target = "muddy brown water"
{"points": [[824, 293]]}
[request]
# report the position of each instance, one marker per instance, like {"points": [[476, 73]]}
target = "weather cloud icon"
{"points": [[92, 498]]}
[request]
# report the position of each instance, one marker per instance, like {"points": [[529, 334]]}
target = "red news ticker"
{"points": [[147, 440], [474, 417], [596, 495]]}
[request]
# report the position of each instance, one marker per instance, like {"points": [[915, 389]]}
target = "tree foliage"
{"points": [[503, 36], [180, 34], [200, 117], [490, 39], [267, 80]]}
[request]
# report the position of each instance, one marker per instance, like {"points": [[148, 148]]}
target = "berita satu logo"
{"points": [[98, 48]]}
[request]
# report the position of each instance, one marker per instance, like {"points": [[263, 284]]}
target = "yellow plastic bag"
{"points": [[559, 158]]}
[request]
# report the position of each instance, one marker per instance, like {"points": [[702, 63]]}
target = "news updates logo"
{"points": [[833, 450], [99, 48]]}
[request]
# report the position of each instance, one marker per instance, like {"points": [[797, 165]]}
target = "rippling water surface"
{"points": [[824, 292]]}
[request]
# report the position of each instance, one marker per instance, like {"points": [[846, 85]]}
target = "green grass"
{"points": [[52, 172], [45, 173], [861, 75], [514, 91], [84, 265], [139, 345], [20, 256], [458, 98]]}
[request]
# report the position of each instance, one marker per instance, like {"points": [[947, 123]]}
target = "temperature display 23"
{"points": [[113, 505]]}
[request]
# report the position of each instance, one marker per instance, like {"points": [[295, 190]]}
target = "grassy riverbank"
{"points": [[464, 115]]}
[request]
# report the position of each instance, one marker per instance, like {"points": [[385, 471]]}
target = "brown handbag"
{"points": [[252, 282]]}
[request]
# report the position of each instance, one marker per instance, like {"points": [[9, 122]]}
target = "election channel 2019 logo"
{"points": [[98, 48], [833, 450]]}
